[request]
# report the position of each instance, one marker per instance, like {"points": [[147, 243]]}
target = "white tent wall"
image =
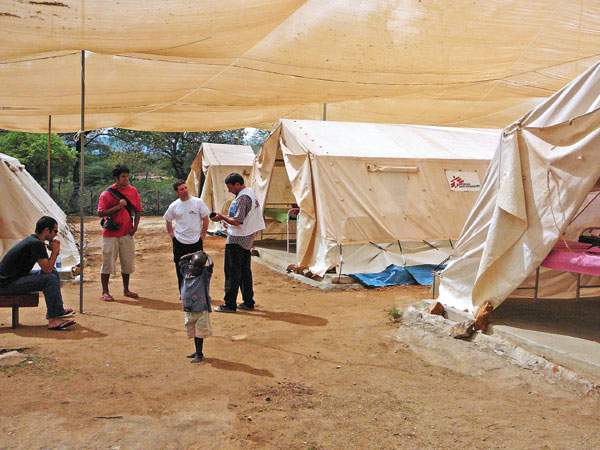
{"points": [[24, 201], [374, 191], [215, 162], [194, 178], [182, 65], [542, 174]]}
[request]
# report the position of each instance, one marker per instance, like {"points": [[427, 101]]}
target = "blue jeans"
{"points": [[49, 283]]}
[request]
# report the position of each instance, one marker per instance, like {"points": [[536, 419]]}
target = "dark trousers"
{"points": [[238, 274], [49, 283], [179, 250]]}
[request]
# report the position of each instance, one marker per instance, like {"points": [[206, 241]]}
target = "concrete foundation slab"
{"points": [[556, 337], [564, 331]]}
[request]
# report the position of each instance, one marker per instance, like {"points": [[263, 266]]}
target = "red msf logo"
{"points": [[456, 181]]}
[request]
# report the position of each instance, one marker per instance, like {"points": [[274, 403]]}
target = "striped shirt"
{"points": [[244, 205]]}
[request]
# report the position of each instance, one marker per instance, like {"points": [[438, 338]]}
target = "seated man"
{"points": [[16, 277]]}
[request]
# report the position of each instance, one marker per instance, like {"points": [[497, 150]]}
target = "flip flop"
{"points": [[62, 325], [131, 294], [67, 312], [107, 298]]}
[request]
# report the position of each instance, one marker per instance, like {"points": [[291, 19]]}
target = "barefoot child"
{"points": [[197, 269]]}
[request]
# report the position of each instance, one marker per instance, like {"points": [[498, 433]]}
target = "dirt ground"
{"points": [[307, 369]]}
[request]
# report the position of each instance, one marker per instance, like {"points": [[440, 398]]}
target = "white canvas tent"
{"points": [[212, 164], [24, 201], [372, 194], [542, 174]]}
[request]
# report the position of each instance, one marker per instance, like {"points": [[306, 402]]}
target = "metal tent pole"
{"points": [[49, 165], [81, 181]]}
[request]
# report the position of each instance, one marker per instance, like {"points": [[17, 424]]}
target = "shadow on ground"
{"points": [[231, 366], [74, 333], [580, 319], [150, 303]]}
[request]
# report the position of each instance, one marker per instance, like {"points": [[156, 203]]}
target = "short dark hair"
{"points": [[177, 184], [45, 222], [118, 170], [234, 178]]}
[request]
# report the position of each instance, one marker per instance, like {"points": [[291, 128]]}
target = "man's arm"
{"points": [[244, 206], [136, 222], [204, 228], [47, 264], [170, 229], [227, 219], [138, 212], [110, 211]]}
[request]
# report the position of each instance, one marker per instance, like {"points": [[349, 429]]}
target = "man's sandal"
{"points": [[62, 325]]}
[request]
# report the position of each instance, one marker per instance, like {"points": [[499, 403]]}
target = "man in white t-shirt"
{"points": [[191, 222]]}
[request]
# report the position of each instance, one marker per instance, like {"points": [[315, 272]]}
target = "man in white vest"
{"points": [[243, 221]]}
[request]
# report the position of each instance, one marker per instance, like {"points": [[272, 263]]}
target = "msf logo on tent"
{"points": [[456, 182]]}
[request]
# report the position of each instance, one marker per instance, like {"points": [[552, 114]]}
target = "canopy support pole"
{"points": [[325, 111], [341, 261], [81, 182], [537, 283], [49, 165], [402, 253]]}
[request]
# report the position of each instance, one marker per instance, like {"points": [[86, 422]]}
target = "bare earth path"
{"points": [[308, 369]]}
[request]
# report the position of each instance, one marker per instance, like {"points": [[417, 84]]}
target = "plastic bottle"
{"points": [[58, 262]]}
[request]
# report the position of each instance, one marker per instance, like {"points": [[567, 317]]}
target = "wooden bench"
{"points": [[19, 301]]}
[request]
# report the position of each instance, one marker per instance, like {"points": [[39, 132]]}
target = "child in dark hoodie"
{"points": [[197, 269]]}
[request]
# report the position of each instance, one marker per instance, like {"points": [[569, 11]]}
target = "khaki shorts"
{"points": [[122, 247], [197, 324]]}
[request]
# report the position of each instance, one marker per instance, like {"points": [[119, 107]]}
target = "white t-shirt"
{"points": [[188, 217]]}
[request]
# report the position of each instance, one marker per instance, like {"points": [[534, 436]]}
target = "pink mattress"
{"points": [[574, 257]]}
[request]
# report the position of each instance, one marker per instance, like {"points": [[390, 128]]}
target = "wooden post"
{"points": [[324, 111], [157, 202], [91, 203], [49, 165], [81, 182]]}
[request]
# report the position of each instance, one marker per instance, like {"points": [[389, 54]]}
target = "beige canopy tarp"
{"points": [[540, 177], [373, 192], [214, 64], [212, 164], [24, 201]]}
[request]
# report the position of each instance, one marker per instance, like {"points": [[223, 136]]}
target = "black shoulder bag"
{"points": [[108, 222]]}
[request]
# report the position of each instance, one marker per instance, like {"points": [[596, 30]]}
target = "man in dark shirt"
{"points": [[16, 277]]}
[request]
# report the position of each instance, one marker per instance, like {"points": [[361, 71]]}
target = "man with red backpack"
{"points": [[120, 208]]}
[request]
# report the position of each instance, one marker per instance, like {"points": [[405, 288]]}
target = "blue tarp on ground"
{"points": [[394, 275]]}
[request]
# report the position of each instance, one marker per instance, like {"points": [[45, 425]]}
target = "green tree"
{"points": [[178, 148], [32, 150], [256, 137], [93, 146]]}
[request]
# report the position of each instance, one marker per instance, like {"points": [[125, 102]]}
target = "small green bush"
{"points": [[394, 314]]}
